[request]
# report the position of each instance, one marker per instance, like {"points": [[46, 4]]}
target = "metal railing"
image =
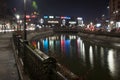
{"points": [[35, 63]]}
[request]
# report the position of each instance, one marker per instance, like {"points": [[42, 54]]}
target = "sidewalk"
{"points": [[8, 68]]}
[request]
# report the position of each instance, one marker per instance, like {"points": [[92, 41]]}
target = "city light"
{"points": [[18, 16], [45, 16], [111, 22], [51, 16], [79, 18], [98, 25]]}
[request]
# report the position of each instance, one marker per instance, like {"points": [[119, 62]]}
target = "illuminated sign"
{"points": [[45, 16], [57, 16], [65, 17], [79, 18], [51, 16], [72, 22], [53, 22], [27, 16]]}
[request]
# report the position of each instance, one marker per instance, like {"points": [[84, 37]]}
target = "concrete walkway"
{"points": [[8, 68]]}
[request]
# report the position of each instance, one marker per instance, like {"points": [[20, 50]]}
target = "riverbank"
{"points": [[104, 36], [100, 37]]}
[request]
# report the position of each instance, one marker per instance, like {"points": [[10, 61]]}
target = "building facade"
{"points": [[114, 7]]}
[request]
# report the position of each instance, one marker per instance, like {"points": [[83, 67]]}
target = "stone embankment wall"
{"points": [[105, 36], [33, 35], [100, 37]]}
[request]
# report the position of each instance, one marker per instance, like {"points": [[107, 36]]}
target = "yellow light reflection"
{"points": [[111, 61], [83, 51], [102, 56], [79, 47], [38, 45], [51, 44], [91, 55]]}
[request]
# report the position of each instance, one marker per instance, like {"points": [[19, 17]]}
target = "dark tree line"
{"points": [[6, 15], [5, 12]]}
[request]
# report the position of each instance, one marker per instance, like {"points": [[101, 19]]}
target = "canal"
{"points": [[90, 59]]}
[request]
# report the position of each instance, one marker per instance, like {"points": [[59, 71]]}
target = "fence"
{"points": [[36, 64]]}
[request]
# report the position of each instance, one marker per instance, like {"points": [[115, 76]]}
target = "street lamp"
{"points": [[25, 33], [18, 17]]}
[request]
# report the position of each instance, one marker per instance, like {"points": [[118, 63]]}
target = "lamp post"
{"points": [[25, 36], [25, 32]]}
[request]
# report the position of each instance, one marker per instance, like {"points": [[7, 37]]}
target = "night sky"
{"points": [[88, 9]]}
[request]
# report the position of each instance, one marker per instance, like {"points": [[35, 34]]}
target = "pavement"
{"points": [[8, 67]]}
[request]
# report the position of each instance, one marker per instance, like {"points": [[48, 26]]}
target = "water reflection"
{"points": [[81, 49], [111, 62], [91, 55], [83, 57]]}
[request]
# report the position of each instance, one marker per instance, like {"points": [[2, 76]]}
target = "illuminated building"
{"points": [[80, 21], [114, 10]]}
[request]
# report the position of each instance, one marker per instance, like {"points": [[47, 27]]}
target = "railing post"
{"points": [[18, 46], [25, 42], [15, 40], [49, 67]]}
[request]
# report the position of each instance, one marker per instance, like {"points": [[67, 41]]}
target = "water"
{"points": [[89, 59]]}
